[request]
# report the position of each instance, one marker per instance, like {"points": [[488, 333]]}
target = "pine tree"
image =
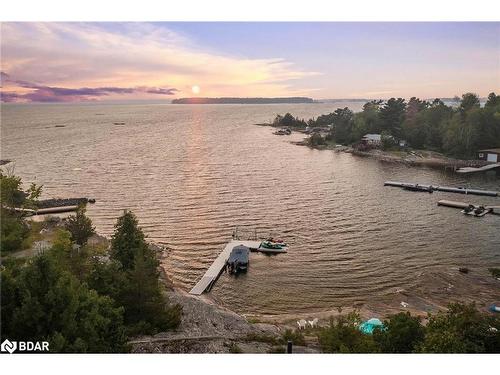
{"points": [[127, 240], [80, 227]]}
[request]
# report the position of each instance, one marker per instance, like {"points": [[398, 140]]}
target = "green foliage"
{"points": [[388, 141], [316, 140], [469, 101], [457, 131], [289, 121], [128, 240], [12, 194], [107, 278], [146, 307], [76, 300], [343, 336], [461, 329], [43, 302], [342, 119], [80, 227], [402, 334], [14, 231], [392, 115], [296, 337]]}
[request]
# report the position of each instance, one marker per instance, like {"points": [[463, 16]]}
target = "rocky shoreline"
{"points": [[418, 158], [413, 158], [207, 327]]}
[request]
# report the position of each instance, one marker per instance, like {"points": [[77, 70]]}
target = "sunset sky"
{"points": [[64, 62]]}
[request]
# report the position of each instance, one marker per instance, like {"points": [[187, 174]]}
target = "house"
{"points": [[371, 139], [491, 155]]}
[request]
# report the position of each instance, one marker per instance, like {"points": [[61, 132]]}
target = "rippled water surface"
{"points": [[193, 173]]}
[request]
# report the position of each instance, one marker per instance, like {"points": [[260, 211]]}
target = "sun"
{"points": [[195, 89]]}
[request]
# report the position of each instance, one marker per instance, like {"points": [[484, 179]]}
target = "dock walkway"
{"points": [[480, 169], [214, 271]]}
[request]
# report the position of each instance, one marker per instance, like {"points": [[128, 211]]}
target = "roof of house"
{"points": [[493, 150]]}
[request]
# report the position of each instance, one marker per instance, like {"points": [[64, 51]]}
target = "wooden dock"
{"points": [[210, 277], [447, 189], [214, 271]]}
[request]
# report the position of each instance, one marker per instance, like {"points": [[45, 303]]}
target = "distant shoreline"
{"points": [[287, 100]]}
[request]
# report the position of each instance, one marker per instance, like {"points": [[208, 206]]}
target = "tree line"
{"points": [[76, 296], [457, 131]]}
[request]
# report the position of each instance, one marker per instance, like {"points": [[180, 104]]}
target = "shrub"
{"points": [[296, 337], [14, 232], [461, 329], [402, 334], [343, 336]]}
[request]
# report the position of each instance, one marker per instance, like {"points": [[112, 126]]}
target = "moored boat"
{"points": [[238, 259], [272, 244]]}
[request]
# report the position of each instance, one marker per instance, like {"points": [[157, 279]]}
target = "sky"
{"points": [[66, 62]]}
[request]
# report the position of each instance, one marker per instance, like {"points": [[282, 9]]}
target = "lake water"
{"points": [[193, 173]]}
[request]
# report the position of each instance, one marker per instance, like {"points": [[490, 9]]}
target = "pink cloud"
{"points": [[51, 94]]}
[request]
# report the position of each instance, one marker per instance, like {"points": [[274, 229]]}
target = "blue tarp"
{"points": [[369, 326]]}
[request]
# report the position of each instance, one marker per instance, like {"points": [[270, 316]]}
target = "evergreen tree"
{"points": [[43, 302], [127, 241], [80, 227], [392, 115], [146, 307]]}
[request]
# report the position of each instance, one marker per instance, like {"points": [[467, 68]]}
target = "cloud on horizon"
{"points": [[89, 61], [50, 94]]}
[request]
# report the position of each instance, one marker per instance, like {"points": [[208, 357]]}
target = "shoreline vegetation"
{"points": [[417, 132], [83, 292]]}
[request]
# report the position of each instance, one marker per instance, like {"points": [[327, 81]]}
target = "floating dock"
{"points": [[210, 277], [479, 169], [45, 211], [461, 205], [430, 188]]}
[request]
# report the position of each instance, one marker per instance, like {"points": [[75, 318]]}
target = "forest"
{"points": [[458, 131]]}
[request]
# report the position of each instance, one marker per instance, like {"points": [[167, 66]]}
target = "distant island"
{"points": [[296, 99]]}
